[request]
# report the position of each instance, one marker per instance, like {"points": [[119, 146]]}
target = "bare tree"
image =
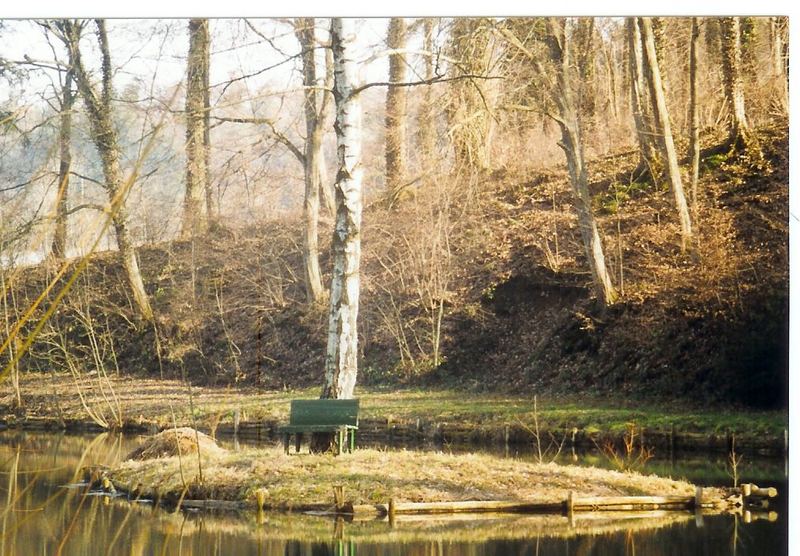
{"points": [[642, 117], [561, 90], [427, 115], [104, 136], [195, 205], [732, 80], [341, 360], [694, 143], [316, 108], [468, 111], [659, 106], [59, 246], [396, 163]]}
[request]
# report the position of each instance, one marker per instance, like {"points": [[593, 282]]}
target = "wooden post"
{"points": [[698, 498], [746, 489], [338, 497], [570, 508], [391, 511], [672, 442]]}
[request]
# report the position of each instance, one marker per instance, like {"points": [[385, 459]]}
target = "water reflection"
{"points": [[45, 509]]}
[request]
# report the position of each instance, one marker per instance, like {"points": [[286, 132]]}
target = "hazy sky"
{"points": [[144, 50]]}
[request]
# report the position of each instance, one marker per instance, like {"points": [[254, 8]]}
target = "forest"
{"points": [[552, 206]]}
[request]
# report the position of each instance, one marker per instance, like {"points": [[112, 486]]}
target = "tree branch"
{"points": [[278, 135], [431, 81]]}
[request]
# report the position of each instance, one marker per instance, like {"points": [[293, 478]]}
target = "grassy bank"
{"points": [[371, 476], [148, 404]]}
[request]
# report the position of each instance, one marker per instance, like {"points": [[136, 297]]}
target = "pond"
{"points": [[45, 510]]}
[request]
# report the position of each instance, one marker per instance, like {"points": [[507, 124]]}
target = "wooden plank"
{"points": [[475, 506], [609, 501]]}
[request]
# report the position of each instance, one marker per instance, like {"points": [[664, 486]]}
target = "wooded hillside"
{"points": [[549, 205]]}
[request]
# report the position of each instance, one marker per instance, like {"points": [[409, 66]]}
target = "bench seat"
{"points": [[316, 416]]}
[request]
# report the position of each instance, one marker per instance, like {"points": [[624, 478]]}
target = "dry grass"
{"points": [[175, 442], [375, 476]]}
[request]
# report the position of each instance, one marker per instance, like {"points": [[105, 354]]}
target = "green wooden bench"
{"points": [[335, 416]]}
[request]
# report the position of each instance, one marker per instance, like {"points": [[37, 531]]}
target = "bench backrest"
{"points": [[324, 412]]}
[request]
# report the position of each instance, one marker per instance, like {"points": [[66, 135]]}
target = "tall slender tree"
{"points": [[739, 130], [315, 108], [104, 135], [559, 80], [649, 162], [197, 196], [396, 103], [427, 115], [59, 246], [694, 116], [659, 106], [341, 360], [468, 110]]}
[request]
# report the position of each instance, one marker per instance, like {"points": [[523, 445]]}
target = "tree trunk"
{"points": [[325, 187], [396, 108], [573, 150], [732, 80], [611, 68], [648, 157], [427, 115], [694, 146], [469, 119], [304, 30], [59, 247], [341, 361], [659, 106], [197, 196], [104, 136], [207, 126]]}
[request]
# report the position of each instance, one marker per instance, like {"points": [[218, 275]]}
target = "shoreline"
{"points": [[57, 402], [383, 484]]}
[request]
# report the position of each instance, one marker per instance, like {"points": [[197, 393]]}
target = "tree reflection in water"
{"points": [[46, 509]]}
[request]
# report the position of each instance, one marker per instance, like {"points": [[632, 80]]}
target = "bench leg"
{"points": [[298, 440], [352, 440], [339, 442], [286, 443]]}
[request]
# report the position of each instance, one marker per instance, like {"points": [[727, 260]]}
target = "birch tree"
{"points": [[661, 113], [197, 196], [396, 100], [341, 360], [104, 135]]}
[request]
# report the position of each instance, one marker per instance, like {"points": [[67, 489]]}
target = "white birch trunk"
{"points": [[341, 361]]}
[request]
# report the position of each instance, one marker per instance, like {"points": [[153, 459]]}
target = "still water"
{"points": [[45, 510]]}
